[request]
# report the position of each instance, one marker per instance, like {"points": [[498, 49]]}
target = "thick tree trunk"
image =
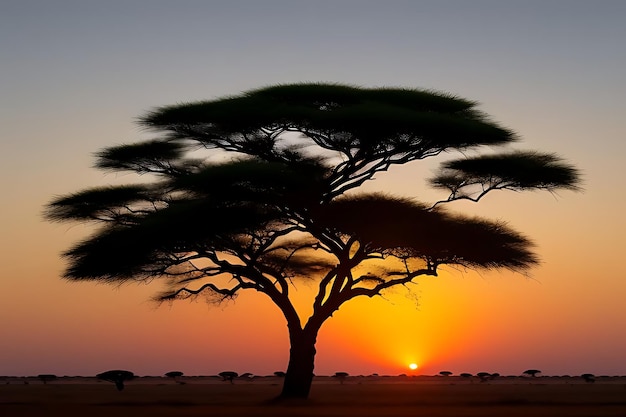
{"points": [[299, 376]]}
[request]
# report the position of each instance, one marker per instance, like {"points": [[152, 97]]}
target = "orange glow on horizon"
{"points": [[426, 327]]}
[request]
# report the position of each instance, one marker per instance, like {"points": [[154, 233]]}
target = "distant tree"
{"points": [[588, 378], [280, 374], [445, 373], [247, 376], [45, 378], [175, 375], [341, 376], [276, 200], [466, 375], [118, 377], [229, 376], [531, 372], [484, 376]]}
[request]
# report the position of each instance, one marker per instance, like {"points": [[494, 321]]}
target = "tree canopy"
{"points": [[256, 191]]}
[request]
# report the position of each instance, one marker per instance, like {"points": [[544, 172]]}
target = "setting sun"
{"points": [[413, 366]]}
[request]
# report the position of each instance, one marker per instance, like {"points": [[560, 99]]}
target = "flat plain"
{"points": [[367, 397]]}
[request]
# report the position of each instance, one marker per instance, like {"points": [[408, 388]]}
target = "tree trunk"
{"points": [[299, 376]]}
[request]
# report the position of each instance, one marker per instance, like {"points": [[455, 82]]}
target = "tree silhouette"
{"points": [[258, 191], [466, 375], [118, 377], [532, 372], [229, 376], [45, 378], [341, 376], [174, 375], [589, 378], [248, 376], [483, 376], [445, 373]]}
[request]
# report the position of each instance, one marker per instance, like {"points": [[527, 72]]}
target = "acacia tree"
{"points": [[256, 191], [532, 372], [118, 377]]}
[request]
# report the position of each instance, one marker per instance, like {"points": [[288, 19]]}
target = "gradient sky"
{"points": [[74, 75]]}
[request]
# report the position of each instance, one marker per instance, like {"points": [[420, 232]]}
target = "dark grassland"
{"points": [[440, 398]]}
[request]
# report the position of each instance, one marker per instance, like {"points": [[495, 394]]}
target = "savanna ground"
{"points": [[389, 397]]}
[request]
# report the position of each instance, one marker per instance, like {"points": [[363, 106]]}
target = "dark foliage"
{"points": [[257, 191], [228, 376], [589, 378], [117, 376], [45, 378], [531, 372], [341, 376]]}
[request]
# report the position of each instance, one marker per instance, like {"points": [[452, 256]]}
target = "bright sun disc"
{"points": [[413, 366]]}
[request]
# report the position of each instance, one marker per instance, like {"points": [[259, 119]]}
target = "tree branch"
{"points": [[370, 292]]}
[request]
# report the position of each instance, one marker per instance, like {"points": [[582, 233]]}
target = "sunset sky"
{"points": [[75, 75]]}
